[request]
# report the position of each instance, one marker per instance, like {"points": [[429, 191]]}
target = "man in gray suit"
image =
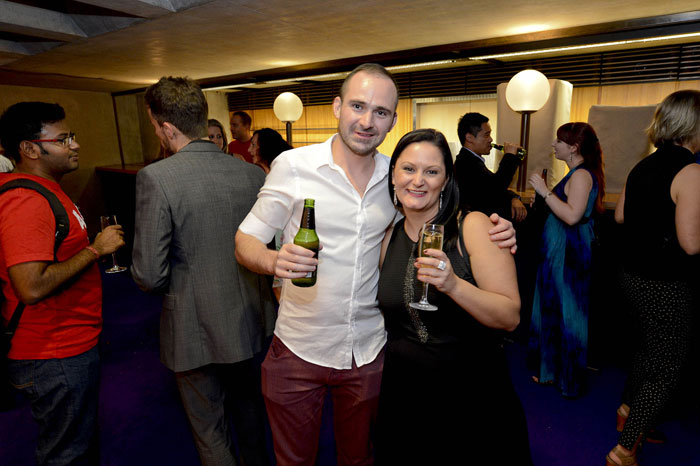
{"points": [[216, 314]]}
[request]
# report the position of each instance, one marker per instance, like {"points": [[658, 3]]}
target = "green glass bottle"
{"points": [[307, 238], [521, 153]]}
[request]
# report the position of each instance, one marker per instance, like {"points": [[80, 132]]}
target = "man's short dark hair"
{"points": [[24, 121], [245, 118], [373, 69], [180, 102], [470, 123]]}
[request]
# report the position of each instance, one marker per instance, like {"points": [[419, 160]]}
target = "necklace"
{"points": [[408, 295]]}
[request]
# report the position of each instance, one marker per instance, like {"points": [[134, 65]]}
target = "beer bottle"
{"points": [[520, 152], [306, 237]]}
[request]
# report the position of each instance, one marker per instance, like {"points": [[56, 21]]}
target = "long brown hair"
{"points": [[584, 137]]}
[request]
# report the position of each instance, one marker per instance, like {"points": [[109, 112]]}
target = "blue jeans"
{"points": [[63, 394]]}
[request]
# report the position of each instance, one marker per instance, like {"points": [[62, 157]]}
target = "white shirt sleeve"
{"points": [[275, 203], [6, 165]]}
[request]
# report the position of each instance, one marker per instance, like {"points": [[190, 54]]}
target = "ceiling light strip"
{"points": [[420, 65], [230, 86], [581, 47], [304, 78], [344, 74]]}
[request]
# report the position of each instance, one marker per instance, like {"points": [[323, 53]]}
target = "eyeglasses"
{"points": [[65, 141]]}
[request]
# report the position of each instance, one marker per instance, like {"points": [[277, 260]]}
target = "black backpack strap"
{"points": [[59, 212], [62, 229], [9, 331]]}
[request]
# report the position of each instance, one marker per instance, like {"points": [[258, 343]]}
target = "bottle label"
{"points": [[306, 237]]}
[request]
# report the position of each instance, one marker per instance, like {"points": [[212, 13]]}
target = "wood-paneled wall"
{"points": [[404, 124]]}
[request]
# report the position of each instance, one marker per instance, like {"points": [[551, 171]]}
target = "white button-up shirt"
{"points": [[338, 318]]}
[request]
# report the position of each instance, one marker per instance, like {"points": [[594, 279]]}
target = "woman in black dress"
{"points": [[446, 395], [660, 209]]}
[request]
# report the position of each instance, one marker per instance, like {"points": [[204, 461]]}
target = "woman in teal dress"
{"points": [[559, 326]]}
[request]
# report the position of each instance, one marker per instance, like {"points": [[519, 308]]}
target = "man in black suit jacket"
{"points": [[481, 189]]}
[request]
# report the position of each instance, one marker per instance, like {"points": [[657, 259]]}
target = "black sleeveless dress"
{"points": [[660, 282], [446, 394]]}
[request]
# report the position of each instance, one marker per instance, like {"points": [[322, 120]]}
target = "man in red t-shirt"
{"points": [[240, 130], [53, 359]]}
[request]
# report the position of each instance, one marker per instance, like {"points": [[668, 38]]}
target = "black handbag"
{"points": [[62, 229]]}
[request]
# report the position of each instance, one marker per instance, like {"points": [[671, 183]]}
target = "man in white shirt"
{"points": [[331, 335], [6, 165]]}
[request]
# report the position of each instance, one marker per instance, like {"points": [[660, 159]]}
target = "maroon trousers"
{"points": [[294, 391]]}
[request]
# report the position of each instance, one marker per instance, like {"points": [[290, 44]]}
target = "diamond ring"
{"points": [[442, 265]]}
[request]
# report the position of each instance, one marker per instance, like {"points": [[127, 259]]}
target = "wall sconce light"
{"points": [[526, 93], [288, 108]]}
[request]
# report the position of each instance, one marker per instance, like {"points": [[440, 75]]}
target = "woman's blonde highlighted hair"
{"points": [[677, 119]]}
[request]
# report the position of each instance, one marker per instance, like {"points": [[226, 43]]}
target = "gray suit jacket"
{"points": [[188, 208]]}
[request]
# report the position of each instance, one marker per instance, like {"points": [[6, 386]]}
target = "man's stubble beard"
{"points": [[358, 149]]}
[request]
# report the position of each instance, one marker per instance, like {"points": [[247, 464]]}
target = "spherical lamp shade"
{"points": [[288, 107], [527, 91]]}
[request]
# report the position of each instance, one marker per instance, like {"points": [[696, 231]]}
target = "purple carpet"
{"points": [[142, 421]]}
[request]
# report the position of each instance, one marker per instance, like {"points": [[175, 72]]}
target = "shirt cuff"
{"points": [[252, 225]]}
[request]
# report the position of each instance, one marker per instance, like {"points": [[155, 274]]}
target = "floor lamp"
{"points": [[526, 93], [288, 108]]}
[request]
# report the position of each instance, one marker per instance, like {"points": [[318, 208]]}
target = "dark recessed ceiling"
{"points": [[128, 44]]}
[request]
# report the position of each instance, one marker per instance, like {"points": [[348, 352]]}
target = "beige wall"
{"points": [[444, 115], [139, 142], [91, 116], [625, 95], [218, 110], [620, 156]]}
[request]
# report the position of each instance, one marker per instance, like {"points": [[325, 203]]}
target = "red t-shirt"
{"points": [[238, 147], [68, 322]]}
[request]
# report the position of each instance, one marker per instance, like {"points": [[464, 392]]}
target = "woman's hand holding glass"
{"points": [[539, 184], [429, 270]]}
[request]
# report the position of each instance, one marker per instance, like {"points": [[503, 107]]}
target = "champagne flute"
{"points": [[430, 238], [105, 221]]}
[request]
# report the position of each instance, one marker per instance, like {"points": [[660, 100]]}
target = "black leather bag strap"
{"points": [[9, 331], [59, 212], [62, 229]]}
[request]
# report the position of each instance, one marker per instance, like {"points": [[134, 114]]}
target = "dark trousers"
{"points": [[213, 392], [663, 313], [63, 395], [294, 391]]}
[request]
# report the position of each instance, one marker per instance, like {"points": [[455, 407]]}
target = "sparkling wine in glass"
{"points": [[105, 221], [430, 238]]}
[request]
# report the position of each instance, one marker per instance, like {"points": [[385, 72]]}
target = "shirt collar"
{"points": [[325, 157], [475, 154]]}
